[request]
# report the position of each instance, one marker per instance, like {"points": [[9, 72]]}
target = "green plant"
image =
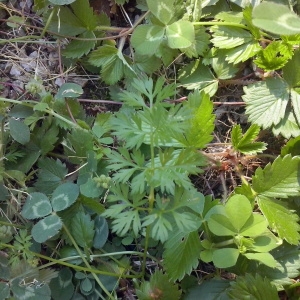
{"points": [[108, 196]]}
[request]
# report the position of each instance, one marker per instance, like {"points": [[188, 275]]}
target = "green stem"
{"points": [[86, 262], [47, 23], [11, 225]]}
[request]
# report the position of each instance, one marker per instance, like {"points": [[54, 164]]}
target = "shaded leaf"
{"points": [[159, 287], [252, 286], [181, 254], [64, 196], [19, 131], [37, 205], [62, 286], [83, 229], [46, 228], [213, 289]]}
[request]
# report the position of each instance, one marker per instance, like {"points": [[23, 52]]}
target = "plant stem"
{"points": [[86, 262]]}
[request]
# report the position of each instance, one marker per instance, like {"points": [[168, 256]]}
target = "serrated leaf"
{"points": [[64, 196], [271, 110], [288, 258], [197, 76], [163, 10], [46, 228], [245, 143], [181, 254], [64, 22], [243, 52], [292, 147], [85, 13], [281, 219], [83, 229], [37, 205], [19, 131], [101, 232], [159, 287], [147, 38], [291, 74], [180, 34], [276, 18], [51, 174], [230, 37], [126, 221], [78, 48], [252, 286], [274, 56], [199, 132], [279, 179], [62, 286], [213, 289]]}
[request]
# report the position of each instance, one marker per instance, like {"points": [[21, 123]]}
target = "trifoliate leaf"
{"points": [[163, 10], [64, 196], [180, 34], [278, 180], [37, 205], [266, 101], [46, 228], [82, 229], [245, 143], [147, 38], [159, 287], [252, 287], [276, 18], [181, 254], [274, 56], [281, 219]]}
